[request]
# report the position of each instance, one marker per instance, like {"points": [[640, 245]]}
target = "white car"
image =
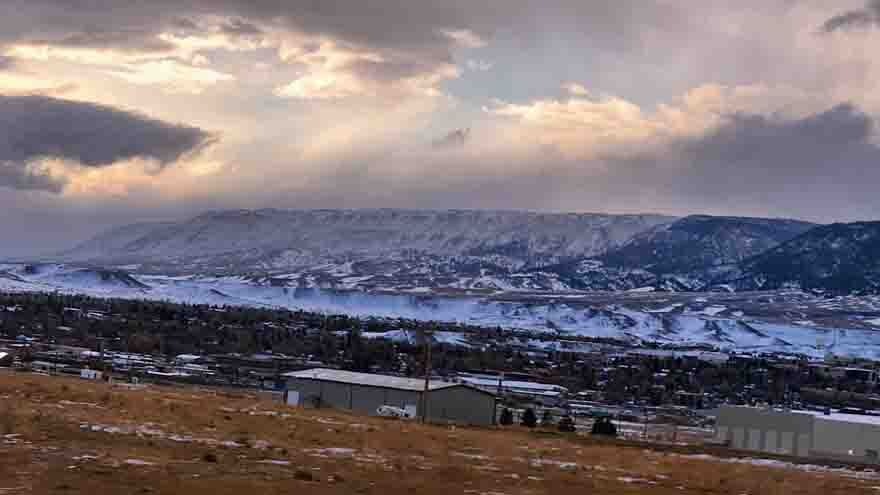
{"points": [[394, 412]]}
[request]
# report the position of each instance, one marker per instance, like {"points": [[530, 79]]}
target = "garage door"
{"points": [[739, 438], [754, 439], [770, 439], [787, 446]]}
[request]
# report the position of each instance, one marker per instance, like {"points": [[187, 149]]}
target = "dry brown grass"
{"points": [[278, 452]]}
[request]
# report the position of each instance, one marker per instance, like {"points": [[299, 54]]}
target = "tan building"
{"points": [[800, 433], [365, 393]]}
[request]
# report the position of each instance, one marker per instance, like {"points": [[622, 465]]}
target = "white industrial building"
{"points": [[832, 435], [541, 392], [365, 393]]}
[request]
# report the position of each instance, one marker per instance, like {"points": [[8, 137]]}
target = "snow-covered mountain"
{"points": [[697, 252], [456, 249], [837, 258], [700, 242], [275, 241]]}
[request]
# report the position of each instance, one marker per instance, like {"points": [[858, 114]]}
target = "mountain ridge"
{"points": [[839, 258], [405, 249], [280, 239]]}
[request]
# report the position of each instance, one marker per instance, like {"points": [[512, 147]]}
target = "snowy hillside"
{"points": [[283, 239], [701, 242], [725, 322], [462, 250], [837, 258], [451, 250], [694, 253]]}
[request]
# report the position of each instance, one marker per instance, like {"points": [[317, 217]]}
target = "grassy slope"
{"points": [[388, 458]]}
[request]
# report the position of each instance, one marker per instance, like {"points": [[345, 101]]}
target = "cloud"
{"points": [[240, 27], [585, 127], [421, 36], [814, 158], [177, 77], [392, 45], [127, 40], [479, 65], [334, 70], [171, 56], [576, 89], [15, 83], [454, 139], [28, 177], [859, 18], [37, 128], [464, 38], [6, 63]]}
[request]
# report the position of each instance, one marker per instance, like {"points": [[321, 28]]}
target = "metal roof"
{"points": [[369, 379]]}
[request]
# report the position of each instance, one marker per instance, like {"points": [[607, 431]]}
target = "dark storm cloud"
{"points": [[833, 145], [822, 167], [34, 127], [859, 18]]}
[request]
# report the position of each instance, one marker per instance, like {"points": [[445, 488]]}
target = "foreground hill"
{"points": [[69, 436]]}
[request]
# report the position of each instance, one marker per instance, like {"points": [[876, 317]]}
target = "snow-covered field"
{"points": [[697, 322]]}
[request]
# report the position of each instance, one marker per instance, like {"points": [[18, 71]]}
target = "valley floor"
{"points": [[70, 436]]}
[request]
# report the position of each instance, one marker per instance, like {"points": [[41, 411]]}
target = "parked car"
{"points": [[394, 412]]}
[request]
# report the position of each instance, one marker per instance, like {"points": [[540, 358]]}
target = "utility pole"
{"points": [[426, 337], [498, 396]]}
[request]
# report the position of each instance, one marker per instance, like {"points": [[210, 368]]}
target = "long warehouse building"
{"points": [[365, 393], [854, 437]]}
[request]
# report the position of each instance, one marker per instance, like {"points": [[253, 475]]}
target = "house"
{"points": [[827, 435], [365, 393]]}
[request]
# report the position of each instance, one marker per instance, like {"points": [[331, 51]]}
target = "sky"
{"points": [[114, 112]]}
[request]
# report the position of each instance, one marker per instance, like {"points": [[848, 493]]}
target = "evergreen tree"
{"points": [[506, 418], [530, 419], [547, 418]]}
